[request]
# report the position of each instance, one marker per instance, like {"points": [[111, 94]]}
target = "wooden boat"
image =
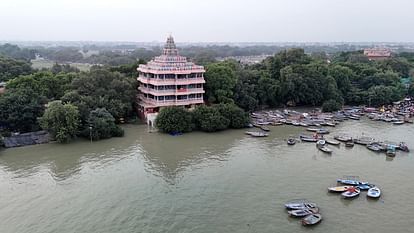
{"points": [[354, 117], [343, 138], [353, 182], [264, 128], [374, 192], [364, 140], [332, 142], [374, 147], [349, 144], [402, 146], [304, 212], [257, 134], [300, 205], [391, 151], [312, 219], [312, 129], [330, 124], [351, 192], [338, 189], [398, 122], [308, 139], [320, 143], [322, 131], [291, 141], [325, 149], [364, 186], [303, 124]]}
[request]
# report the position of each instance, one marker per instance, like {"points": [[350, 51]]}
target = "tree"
{"points": [[11, 68], [237, 117], [209, 119], [61, 121], [174, 120], [20, 108], [102, 125], [331, 105], [220, 81]]}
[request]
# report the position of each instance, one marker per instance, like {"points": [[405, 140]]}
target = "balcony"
{"points": [[160, 82], [171, 92], [146, 102]]}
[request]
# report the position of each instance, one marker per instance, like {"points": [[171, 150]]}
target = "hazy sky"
{"points": [[208, 20]]}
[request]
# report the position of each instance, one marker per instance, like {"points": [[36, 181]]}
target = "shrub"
{"points": [[174, 120]]}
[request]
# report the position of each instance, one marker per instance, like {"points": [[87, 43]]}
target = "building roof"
{"points": [[377, 52], [170, 60]]}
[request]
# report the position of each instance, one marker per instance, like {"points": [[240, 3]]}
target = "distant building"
{"points": [[377, 53], [169, 80]]}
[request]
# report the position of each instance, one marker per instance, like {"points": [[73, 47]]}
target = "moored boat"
{"points": [[325, 149], [351, 192], [391, 151], [343, 138], [337, 189], [291, 141], [320, 143], [332, 142], [312, 219], [303, 212], [402, 146], [374, 192], [257, 134], [374, 147], [398, 122], [308, 139], [300, 205], [349, 144]]}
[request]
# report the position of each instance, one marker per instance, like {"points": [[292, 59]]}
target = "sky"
{"points": [[208, 20]]}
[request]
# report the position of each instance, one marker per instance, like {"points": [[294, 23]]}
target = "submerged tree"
{"points": [[61, 120]]}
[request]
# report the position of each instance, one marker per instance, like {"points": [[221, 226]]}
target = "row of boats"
{"points": [[308, 211], [351, 187]]}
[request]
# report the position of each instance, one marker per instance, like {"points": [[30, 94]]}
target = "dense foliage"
{"points": [[292, 78], [61, 121], [174, 120], [204, 118], [14, 51], [11, 68], [102, 125]]}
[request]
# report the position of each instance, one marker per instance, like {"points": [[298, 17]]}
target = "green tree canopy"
{"points": [[174, 120], [61, 121], [102, 125], [220, 81]]}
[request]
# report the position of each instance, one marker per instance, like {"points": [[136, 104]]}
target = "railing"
{"points": [[161, 103], [159, 82], [171, 91]]}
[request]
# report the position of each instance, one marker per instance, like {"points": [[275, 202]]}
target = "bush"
{"points": [[209, 119], [331, 105], [174, 120]]}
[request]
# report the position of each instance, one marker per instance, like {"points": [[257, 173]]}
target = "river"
{"points": [[203, 182]]}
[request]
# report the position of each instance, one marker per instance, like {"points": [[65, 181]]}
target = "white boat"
{"points": [[320, 143], [351, 192], [332, 142], [374, 192], [325, 149]]}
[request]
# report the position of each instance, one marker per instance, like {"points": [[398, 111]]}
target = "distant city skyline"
{"points": [[207, 21]]}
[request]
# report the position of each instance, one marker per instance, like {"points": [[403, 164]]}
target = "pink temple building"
{"points": [[169, 80]]}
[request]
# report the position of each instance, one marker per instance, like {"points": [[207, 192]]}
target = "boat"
{"points": [[332, 142], [304, 212], [403, 146], [325, 149], [303, 124], [291, 141], [322, 131], [353, 182], [300, 205], [364, 140], [312, 129], [351, 192], [332, 124], [343, 138], [312, 219], [320, 143], [354, 117], [349, 144], [374, 192], [398, 122], [374, 147], [337, 189], [257, 134], [391, 151], [308, 139], [364, 186], [264, 128]]}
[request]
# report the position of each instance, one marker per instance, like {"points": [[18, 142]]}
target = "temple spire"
{"points": [[169, 48]]}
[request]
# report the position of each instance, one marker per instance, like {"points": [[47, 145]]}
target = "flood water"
{"points": [[200, 182]]}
